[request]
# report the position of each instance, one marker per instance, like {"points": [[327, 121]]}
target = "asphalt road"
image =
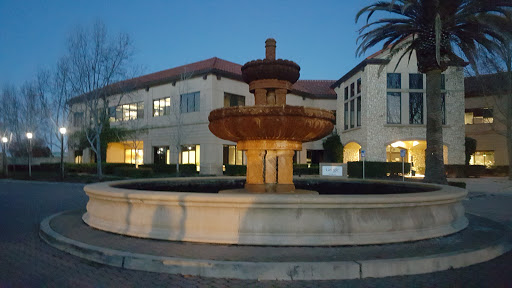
{"points": [[26, 261]]}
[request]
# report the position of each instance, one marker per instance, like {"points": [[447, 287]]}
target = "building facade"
{"points": [[485, 118], [168, 114], [382, 110]]}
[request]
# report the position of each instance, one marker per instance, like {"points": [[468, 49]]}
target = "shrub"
{"points": [[133, 172], [303, 169], [235, 170], [333, 149], [188, 169], [463, 171], [161, 168], [375, 169], [89, 168], [109, 168]]}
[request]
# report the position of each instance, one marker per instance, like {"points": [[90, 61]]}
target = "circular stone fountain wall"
{"points": [[275, 219]]}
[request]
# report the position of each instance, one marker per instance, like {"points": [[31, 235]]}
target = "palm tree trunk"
{"points": [[434, 164]]}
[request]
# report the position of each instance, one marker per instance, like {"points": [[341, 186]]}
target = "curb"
{"points": [[335, 270]]}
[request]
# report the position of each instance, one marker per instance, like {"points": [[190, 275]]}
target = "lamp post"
{"points": [[62, 131], [4, 156], [29, 136]]}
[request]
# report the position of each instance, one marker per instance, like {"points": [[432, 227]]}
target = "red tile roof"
{"points": [[220, 67]]}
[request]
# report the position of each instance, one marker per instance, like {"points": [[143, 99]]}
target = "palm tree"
{"points": [[432, 29]]}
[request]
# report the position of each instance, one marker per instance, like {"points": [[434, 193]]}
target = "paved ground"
{"points": [[26, 261]]}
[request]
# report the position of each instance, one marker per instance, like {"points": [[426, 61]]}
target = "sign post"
{"points": [[363, 155], [402, 154]]}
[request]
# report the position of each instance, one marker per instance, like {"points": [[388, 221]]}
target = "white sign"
{"points": [[402, 152], [363, 153], [332, 170]]}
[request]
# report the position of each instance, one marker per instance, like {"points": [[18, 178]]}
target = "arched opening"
{"points": [[414, 154], [351, 152]]}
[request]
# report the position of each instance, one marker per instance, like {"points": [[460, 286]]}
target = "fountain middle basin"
{"points": [[414, 212]]}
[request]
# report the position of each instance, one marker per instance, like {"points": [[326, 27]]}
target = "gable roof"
{"points": [[317, 89]]}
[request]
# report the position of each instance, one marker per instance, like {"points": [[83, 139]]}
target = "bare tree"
{"points": [[96, 63], [176, 116]]}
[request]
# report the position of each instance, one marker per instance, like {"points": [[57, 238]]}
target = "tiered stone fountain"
{"points": [[270, 131], [269, 211]]}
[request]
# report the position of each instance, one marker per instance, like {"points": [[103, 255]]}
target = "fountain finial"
{"points": [[270, 49]]}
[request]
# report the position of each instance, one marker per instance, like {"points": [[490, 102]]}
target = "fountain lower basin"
{"points": [[276, 219]]}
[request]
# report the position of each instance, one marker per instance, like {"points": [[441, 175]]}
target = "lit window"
{"points": [[162, 107], [232, 156], [485, 158], [133, 156]]}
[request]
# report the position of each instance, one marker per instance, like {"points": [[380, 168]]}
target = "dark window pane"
{"points": [[443, 82], [119, 113], [140, 110], [359, 86], [394, 81], [346, 93], [415, 81], [352, 90], [358, 111], [352, 122], [345, 118], [196, 101], [394, 114], [415, 108]]}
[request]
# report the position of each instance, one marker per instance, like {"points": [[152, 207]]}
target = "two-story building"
{"points": [[381, 109], [168, 110], [485, 117]]}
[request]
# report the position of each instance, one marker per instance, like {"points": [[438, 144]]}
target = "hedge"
{"points": [[303, 169], [133, 172], [463, 171], [376, 169], [235, 170]]}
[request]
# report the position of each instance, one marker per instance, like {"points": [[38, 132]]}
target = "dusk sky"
{"points": [[318, 35]]}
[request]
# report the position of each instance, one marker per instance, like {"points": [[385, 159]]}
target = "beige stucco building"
{"points": [[170, 108], [382, 109]]}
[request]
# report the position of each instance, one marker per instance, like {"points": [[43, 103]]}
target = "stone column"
{"points": [[260, 96], [255, 166], [281, 96], [271, 167], [285, 164]]}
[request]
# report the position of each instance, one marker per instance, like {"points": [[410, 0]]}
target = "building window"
{"points": [[346, 116], [352, 93], [162, 107], [232, 100], [478, 116], [394, 81], [359, 86], [78, 119], [133, 156], [232, 156], [126, 112], [416, 81], [346, 93], [394, 107], [352, 112], [415, 108], [190, 154], [189, 102], [443, 82], [161, 155], [359, 111], [485, 158]]}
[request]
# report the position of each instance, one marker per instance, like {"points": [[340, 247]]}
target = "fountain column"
{"points": [[255, 161]]}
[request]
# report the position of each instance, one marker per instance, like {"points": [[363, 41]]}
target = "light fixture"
{"points": [[414, 143], [398, 144], [189, 148], [29, 135], [4, 139], [62, 130]]}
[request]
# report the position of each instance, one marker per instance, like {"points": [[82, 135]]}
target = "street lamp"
{"points": [[62, 131], [4, 156], [29, 136]]}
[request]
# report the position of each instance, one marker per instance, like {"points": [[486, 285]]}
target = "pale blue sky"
{"points": [[319, 35]]}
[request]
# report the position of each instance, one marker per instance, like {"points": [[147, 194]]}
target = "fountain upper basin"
{"points": [[290, 123]]}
